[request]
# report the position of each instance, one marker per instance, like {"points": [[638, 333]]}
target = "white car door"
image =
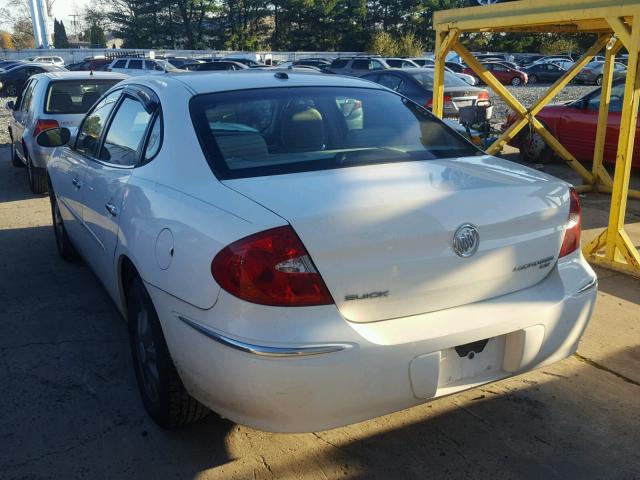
{"points": [[107, 175], [21, 115], [68, 169]]}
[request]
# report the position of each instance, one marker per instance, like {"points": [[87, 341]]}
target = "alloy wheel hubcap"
{"points": [[534, 146], [146, 353]]}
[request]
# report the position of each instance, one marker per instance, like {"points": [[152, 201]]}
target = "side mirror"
{"points": [[11, 105], [54, 137]]}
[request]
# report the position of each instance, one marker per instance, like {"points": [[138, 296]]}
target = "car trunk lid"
{"points": [[382, 236]]}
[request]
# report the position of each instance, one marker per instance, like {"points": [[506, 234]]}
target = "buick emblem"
{"points": [[466, 240]]}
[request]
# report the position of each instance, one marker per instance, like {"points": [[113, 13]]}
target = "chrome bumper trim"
{"points": [[592, 283], [264, 351]]}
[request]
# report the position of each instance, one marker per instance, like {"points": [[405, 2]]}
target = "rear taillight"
{"points": [[446, 99], [586, 72], [270, 268], [571, 241], [42, 125], [483, 97]]}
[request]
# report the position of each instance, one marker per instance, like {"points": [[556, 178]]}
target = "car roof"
{"points": [[84, 75], [227, 80]]}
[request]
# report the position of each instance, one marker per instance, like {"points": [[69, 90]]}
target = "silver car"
{"points": [[592, 73], [50, 100]]}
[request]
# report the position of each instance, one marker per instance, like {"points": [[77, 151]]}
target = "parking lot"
{"points": [[71, 409]]}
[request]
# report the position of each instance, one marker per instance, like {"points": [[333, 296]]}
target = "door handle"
{"points": [[76, 182], [111, 208]]}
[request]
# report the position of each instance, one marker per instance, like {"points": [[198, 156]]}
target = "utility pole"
{"points": [[75, 26]]}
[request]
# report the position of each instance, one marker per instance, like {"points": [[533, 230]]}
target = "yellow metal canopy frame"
{"points": [[617, 24]]}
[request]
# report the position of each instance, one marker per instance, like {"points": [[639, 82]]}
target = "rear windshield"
{"points": [[75, 96], [425, 78], [284, 130]]}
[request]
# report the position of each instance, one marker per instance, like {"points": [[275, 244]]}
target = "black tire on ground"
{"points": [[65, 248], [37, 176], [515, 81], [599, 80], [533, 79], [164, 397], [534, 149], [15, 161]]}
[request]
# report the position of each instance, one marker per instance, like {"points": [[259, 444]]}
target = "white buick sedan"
{"points": [[298, 251]]}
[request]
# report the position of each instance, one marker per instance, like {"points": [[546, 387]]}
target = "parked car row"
{"points": [[410, 266]]}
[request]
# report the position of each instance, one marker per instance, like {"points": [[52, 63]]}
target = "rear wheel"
{"points": [[599, 80], [534, 149], [163, 394], [15, 161], [65, 248], [11, 90], [533, 79], [37, 176], [515, 81]]}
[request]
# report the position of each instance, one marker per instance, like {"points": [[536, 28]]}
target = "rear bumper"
{"points": [[373, 368]]}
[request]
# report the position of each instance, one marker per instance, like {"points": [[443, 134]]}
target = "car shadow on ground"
{"points": [[16, 187]]}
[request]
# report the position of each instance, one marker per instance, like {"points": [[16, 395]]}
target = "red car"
{"points": [[574, 124], [504, 73]]}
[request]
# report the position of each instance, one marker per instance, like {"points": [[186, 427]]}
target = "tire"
{"points": [[532, 79], [15, 161], [65, 248], [164, 397], [516, 82], [11, 90], [37, 176], [599, 81], [534, 149]]}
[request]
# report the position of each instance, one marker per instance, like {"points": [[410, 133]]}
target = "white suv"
{"points": [[140, 66], [49, 59]]}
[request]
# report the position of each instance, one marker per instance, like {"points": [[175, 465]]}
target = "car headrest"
{"points": [[303, 129], [60, 102], [88, 99]]}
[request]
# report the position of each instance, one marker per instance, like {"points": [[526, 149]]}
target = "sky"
{"points": [[62, 9]]}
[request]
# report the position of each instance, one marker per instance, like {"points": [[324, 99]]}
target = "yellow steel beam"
{"points": [[534, 13], [562, 82], [603, 115], [621, 30], [444, 41], [488, 78], [619, 251]]}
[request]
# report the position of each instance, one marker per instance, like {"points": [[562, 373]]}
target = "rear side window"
{"points": [[283, 130], [94, 123], [339, 63], [75, 96], [120, 64], [361, 65], [126, 133], [135, 64], [28, 95]]}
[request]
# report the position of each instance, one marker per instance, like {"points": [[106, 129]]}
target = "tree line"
{"points": [[287, 25]]}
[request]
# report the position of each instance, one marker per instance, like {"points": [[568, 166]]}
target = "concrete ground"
{"points": [[69, 407]]}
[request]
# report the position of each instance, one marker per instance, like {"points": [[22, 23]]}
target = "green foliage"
{"points": [[409, 46], [561, 45], [60, 39], [320, 25], [383, 44]]}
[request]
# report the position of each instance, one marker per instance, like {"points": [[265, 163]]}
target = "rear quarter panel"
{"points": [[178, 192]]}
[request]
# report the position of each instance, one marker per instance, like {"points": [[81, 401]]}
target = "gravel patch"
{"points": [[528, 95], [5, 115]]}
